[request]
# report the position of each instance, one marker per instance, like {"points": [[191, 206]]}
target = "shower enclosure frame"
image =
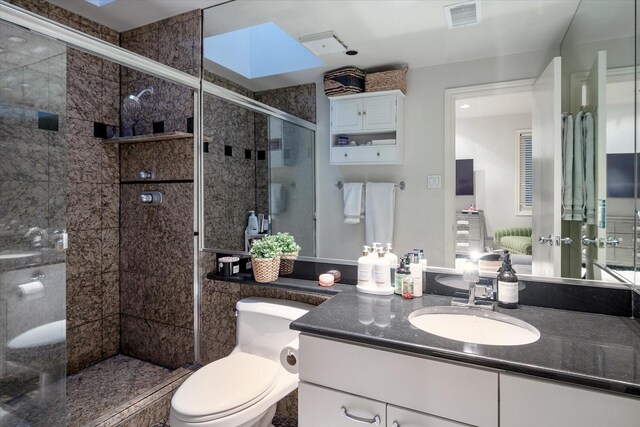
{"points": [[120, 56]]}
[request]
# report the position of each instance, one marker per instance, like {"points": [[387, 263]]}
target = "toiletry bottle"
{"points": [[393, 262], [365, 268], [374, 250], [507, 284], [404, 280], [397, 285], [416, 273], [252, 225], [381, 271]]}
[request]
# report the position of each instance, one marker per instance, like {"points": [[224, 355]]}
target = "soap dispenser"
{"points": [[507, 284], [252, 225], [393, 262], [365, 268], [381, 271]]}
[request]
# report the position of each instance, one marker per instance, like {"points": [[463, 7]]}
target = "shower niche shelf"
{"points": [[148, 138]]}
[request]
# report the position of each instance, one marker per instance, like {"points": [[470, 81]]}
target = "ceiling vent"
{"points": [[323, 43], [462, 14]]}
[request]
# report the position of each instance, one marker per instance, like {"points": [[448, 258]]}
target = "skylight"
{"points": [[99, 3], [259, 51]]}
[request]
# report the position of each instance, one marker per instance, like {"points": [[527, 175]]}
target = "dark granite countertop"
{"points": [[284, 283], [41, 257], [595, 350]]}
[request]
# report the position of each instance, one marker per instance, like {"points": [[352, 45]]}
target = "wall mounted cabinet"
{"points": [[374, 121]]}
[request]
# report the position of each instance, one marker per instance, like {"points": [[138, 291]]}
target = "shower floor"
{"points": [[104, 386]]}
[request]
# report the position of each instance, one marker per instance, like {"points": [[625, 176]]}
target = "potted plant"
{"points": [[265, 259], [289, 250]]}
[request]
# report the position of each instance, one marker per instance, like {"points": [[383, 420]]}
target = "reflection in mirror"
{"points": [[260, 163], [440, 58]]}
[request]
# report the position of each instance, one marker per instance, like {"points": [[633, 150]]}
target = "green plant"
{"points": [[266, 247], [287, 243]]}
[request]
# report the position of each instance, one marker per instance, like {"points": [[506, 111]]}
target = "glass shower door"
{"points": [[32, 229]]}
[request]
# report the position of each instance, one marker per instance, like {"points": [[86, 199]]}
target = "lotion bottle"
{"points": [[393, 262], [416, 274], [381, 271], [252, 225], [365, 268], [507, 284]]}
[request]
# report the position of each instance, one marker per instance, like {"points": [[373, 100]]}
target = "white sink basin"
{"points": [[16, 255], [474, 325]]}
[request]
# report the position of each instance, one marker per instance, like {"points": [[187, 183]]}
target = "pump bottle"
{"points": [[365, 268], [507, 284]]}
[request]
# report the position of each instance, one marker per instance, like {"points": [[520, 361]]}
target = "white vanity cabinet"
{"points": [[369, 382], [533, 402], [372, 116], [345, 384]]}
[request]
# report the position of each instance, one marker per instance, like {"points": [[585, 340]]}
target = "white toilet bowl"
{"points": [[242, 389]]}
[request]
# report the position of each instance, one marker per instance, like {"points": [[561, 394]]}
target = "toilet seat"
{"points": [[44, 335], [224, 387]]}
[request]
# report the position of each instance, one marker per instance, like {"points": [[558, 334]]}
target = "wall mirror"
{"points": [[464, 62]]}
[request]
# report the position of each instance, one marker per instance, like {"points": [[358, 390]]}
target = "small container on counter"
{"points": [[228, 266], [326, 279], [404, 281]]}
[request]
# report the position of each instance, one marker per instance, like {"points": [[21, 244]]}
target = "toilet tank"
{"points": [[263, 325]]}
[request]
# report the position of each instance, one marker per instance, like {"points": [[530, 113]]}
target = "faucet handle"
{"points": [[485, 290]]}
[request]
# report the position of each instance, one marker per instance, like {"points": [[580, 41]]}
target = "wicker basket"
{"points": [[344, 81], [387, 80], [265, 269], [286, 263]]}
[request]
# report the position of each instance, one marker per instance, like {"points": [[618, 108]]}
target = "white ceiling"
{"points": [[385, 32]]}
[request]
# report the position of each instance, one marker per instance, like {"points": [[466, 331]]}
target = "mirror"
{"points": [[386, 34]]}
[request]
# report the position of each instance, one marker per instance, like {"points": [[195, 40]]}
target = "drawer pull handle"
{"points": [[463, 222], [375, 420], [346, 155], [395, 424]]}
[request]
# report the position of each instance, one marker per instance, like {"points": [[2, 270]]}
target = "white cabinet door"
{"points": [[528, 402], [324, 407], [346, 115], [401, 417], [379, 112]]}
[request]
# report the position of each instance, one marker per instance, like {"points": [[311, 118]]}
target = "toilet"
{"points": [[242, 389]]}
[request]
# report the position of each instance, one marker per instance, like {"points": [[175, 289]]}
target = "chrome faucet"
{"points": [[471, 275], [40, 236]]}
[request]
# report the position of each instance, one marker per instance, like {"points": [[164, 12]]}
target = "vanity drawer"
{"points": [[406, 418], [426, 385], [322, 407]]}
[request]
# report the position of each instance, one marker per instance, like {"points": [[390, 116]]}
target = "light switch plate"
{"points": [[434, 181]]}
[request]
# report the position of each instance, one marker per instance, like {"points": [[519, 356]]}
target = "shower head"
{"points": [[132, 102]]}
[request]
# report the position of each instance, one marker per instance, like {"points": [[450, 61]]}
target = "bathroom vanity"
{"points": [[361, 361]]}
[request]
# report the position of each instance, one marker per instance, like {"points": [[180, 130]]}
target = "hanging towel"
{"points": [[578, 169], [379, 212], [352, 194], [588, 138], [276, 198], [567, 167]]}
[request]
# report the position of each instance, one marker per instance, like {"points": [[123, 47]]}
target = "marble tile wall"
{"points": [[219, 321], [175, 42], [91, 178], [156, 254]]}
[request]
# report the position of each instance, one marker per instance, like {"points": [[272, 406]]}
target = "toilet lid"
{"points": [[40, 336], [224, 387]]}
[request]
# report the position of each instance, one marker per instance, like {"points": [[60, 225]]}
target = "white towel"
{"points": [[276, 198], [352, 194], [379, 212], [589, 168], [567, 168]]}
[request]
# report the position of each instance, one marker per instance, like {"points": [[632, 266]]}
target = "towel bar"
{"points": [[401, 186]]}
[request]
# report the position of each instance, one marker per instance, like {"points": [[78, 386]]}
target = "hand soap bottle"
{"points": [[507, 284], [365, 268], [381, 271]]}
